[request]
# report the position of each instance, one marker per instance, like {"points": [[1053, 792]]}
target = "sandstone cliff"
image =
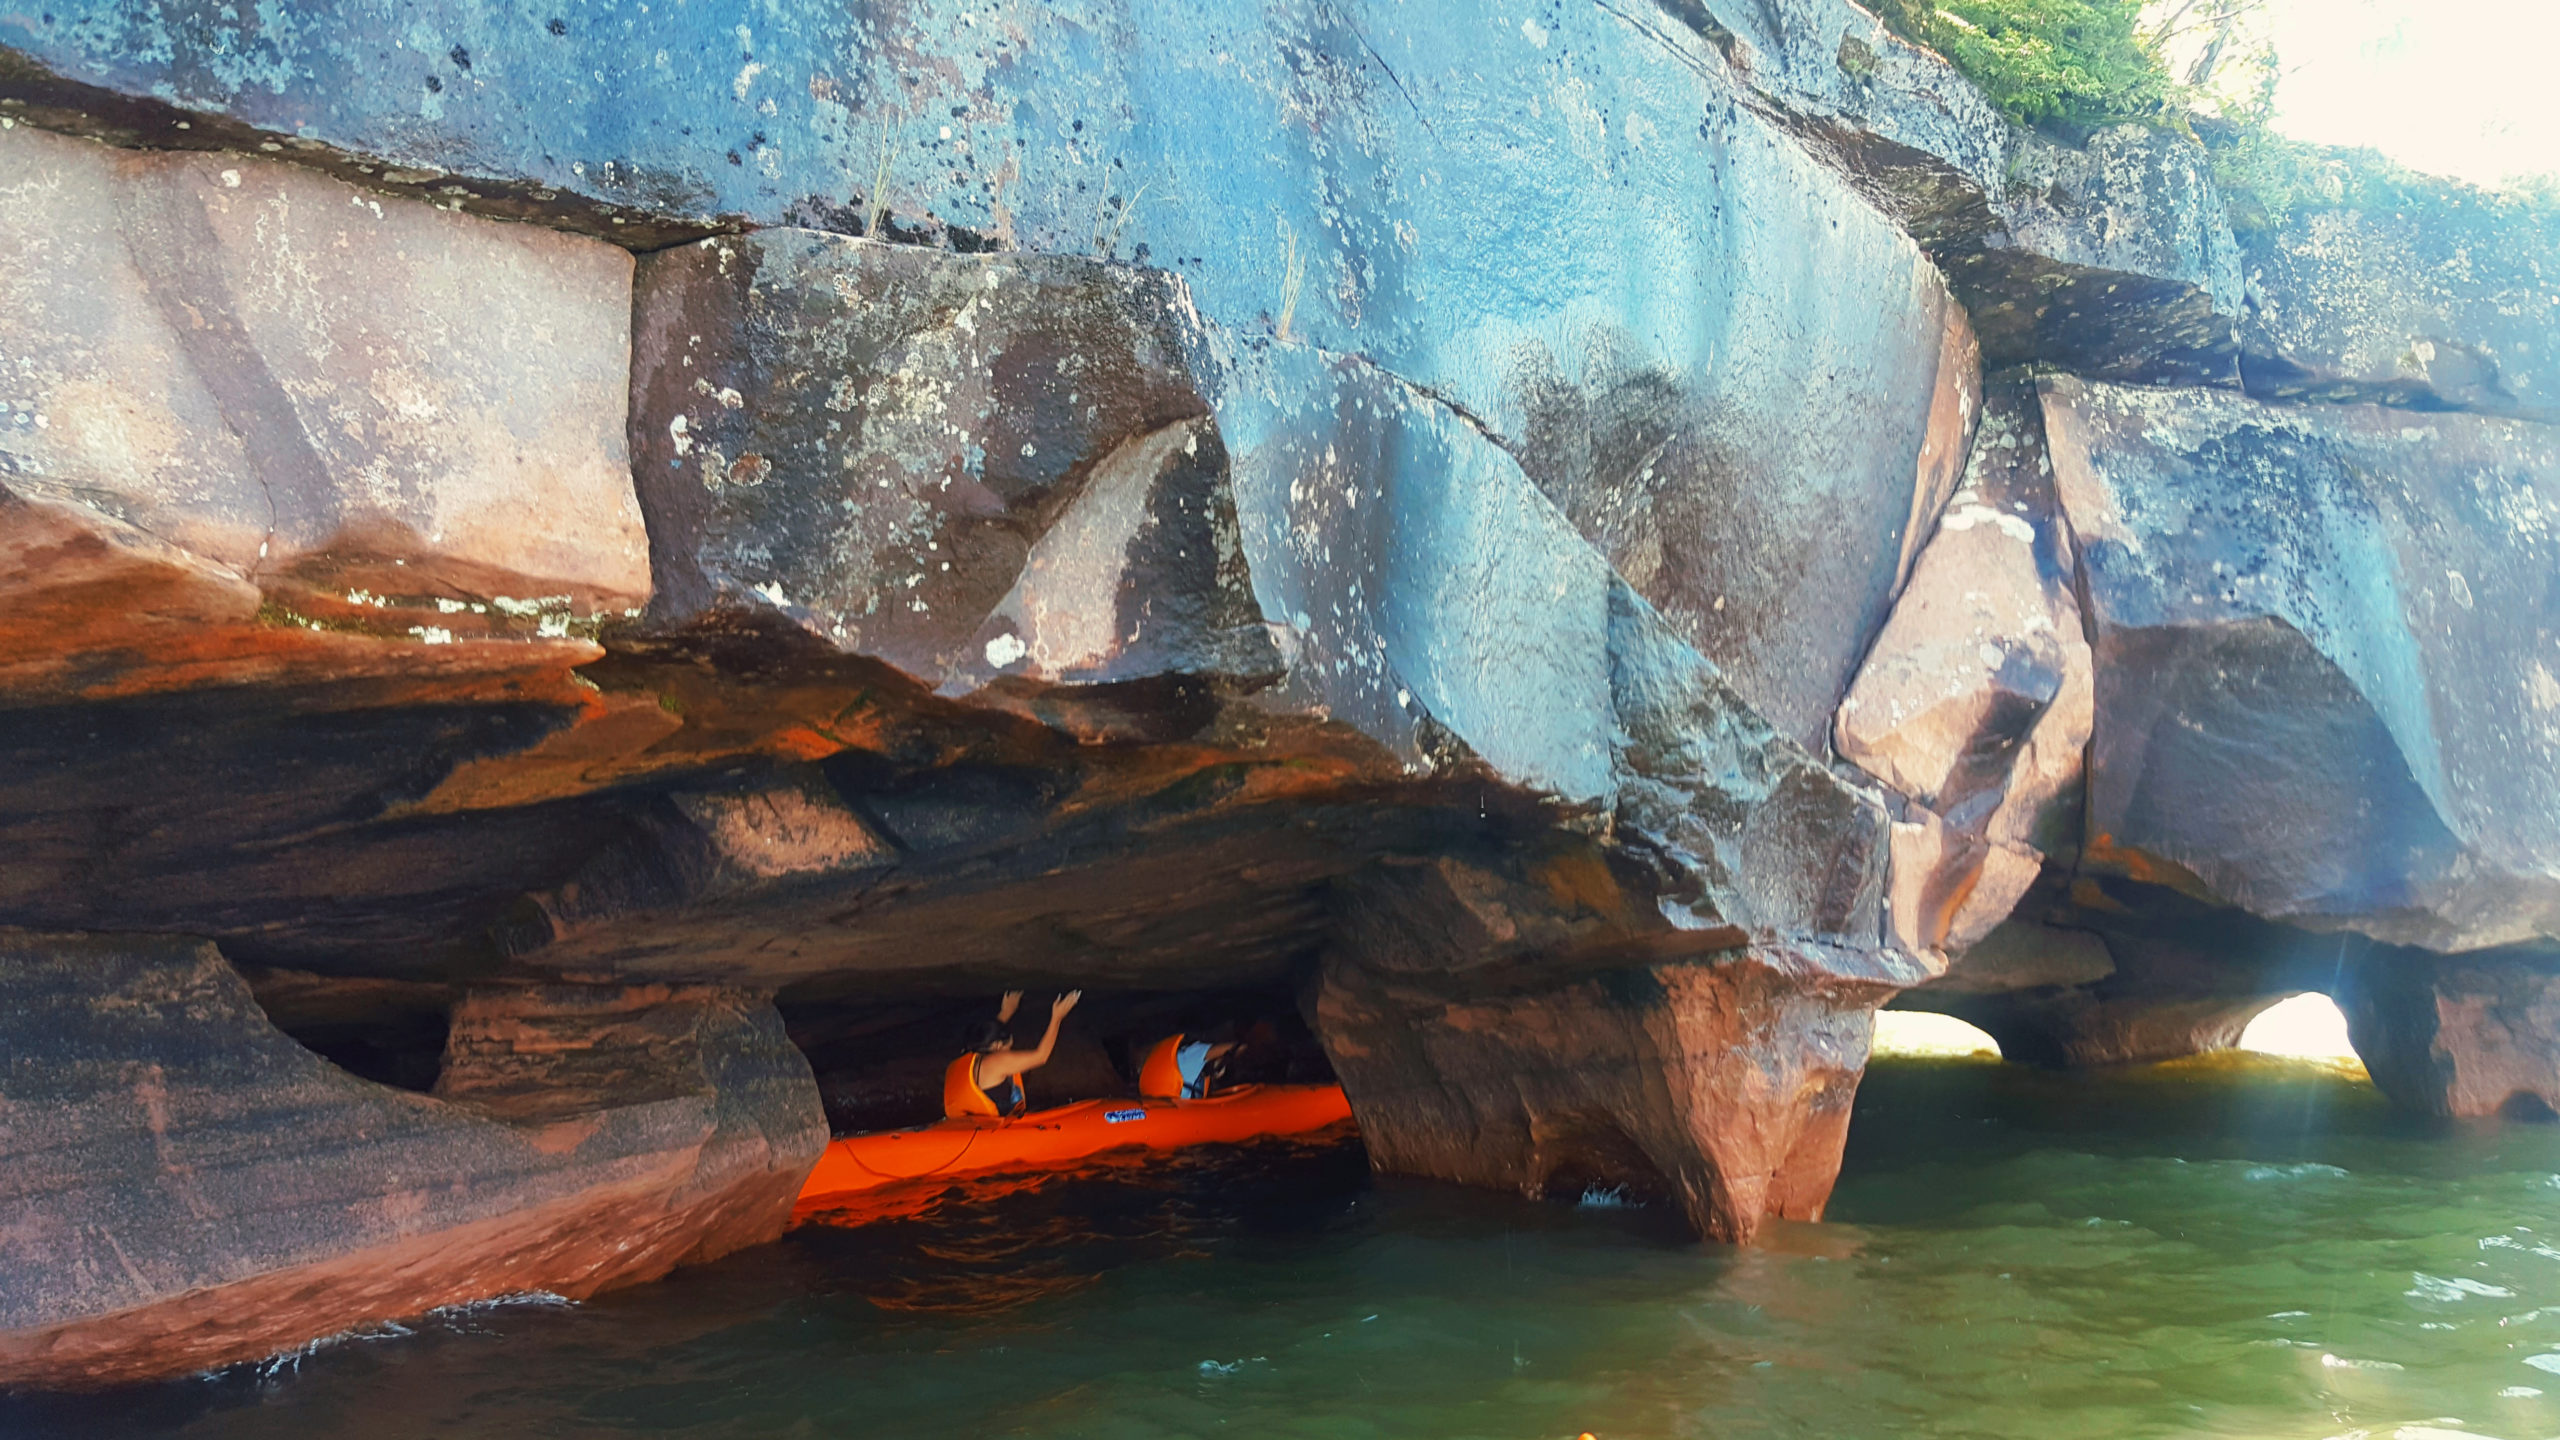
{"points": [[577, 588]]}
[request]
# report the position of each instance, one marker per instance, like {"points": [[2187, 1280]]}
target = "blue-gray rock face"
{"points": [[1380, 501], [2112, 258], [2328, 657], [1432, 596], [1423, 588], [2453, 305], [987, 471]]}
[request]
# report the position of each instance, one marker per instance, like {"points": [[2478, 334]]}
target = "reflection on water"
{"points": [[2241, 1247]]}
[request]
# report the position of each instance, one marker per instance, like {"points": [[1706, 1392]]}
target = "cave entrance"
{"points": [[879, 1057], [2308, 1026], [1927, 1033]]}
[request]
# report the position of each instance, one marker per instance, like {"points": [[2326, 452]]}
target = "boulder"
{"points": [[1719, 1085], [2468, 1036], [2449, 301], [988, 471], [186, 1187], [255, 413], [2325, 658], [2113, 258], [1975, 701], [1949, 888]]}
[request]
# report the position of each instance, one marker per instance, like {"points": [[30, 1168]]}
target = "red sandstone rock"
{"points": [[1528, 1030], [2475, 1036], [257, 414], [1722, 1086], [1976, 700], [182, 1186], [1950, 889]]}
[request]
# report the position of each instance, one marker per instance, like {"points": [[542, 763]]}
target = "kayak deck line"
{"points": [[856, 1166]]}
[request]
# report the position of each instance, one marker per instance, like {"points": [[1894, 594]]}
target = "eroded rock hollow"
{"points": [[576, 598]]}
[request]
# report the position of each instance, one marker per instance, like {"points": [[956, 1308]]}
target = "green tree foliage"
{"points": [[2078, 64]]}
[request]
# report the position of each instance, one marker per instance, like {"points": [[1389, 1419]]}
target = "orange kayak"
{"points": [[1048, 1139]]}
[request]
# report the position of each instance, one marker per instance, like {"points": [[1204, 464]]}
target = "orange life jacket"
{"points": [[963, 1096], [1161, 1077]]}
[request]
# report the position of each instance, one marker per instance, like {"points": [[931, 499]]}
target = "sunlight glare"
{"points": [[2308, 1027], [2456, 87], [1918, 1032]]}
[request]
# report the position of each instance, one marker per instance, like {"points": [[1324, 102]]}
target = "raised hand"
{"points": [[1012, 1001], [1064, 1003]]}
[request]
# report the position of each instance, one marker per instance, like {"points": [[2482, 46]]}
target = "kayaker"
{"points": [[1180, 1067], [991, 1065]]}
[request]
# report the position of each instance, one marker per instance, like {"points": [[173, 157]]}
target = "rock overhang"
{"points": [[1405, 208], [2322, 589], [1473, 497]]}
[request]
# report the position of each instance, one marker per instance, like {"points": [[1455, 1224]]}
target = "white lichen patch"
{"points": [[1006, 649], [1965, 516]]}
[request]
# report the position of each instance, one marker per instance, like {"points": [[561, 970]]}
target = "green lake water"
{"points": [[2236, 1247]]}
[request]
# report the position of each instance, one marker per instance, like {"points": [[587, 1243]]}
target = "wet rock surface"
{"points": [[2110, 259], [978, 469], [1974, 706], [1975, 702], [187, 1187]]}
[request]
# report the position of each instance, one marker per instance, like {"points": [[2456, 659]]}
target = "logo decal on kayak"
{"points": [[1117, 1117]]}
